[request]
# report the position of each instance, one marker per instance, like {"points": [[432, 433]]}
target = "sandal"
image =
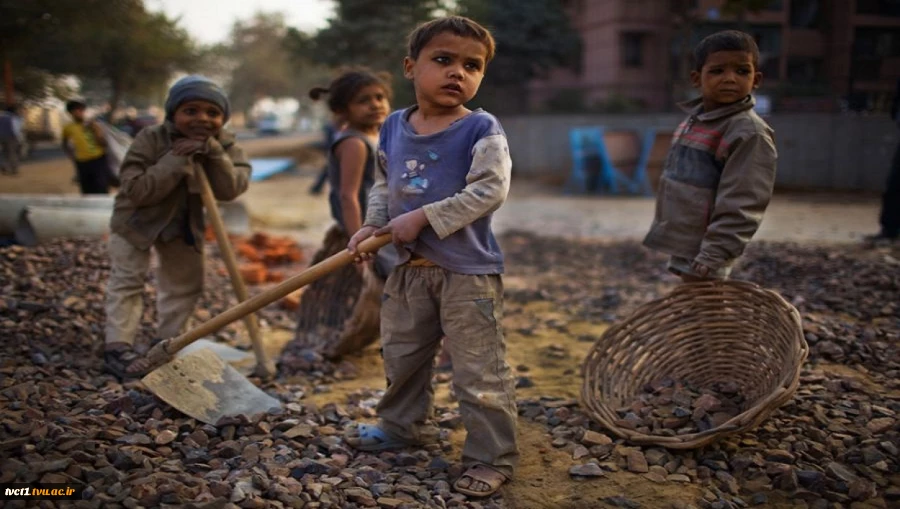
{"points": [[370, 438], [118, 360], [483, 474]]}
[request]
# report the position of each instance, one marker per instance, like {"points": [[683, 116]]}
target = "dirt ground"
{"points": [[282, 205], [542, 480]]}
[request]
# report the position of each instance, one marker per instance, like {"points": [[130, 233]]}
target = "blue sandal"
{"points": [[369, 438]]}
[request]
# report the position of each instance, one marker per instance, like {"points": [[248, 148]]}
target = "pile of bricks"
{"points": [[259, 256], [260, 253]]}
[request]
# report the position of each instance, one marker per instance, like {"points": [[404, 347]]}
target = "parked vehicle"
{"points": [[275, 123]]}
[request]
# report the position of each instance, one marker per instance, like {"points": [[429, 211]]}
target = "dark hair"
{"points": [[342, 90], [726, 40], [75, 104], [459, 25]]}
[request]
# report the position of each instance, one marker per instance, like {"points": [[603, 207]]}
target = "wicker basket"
{"points": [[700, 333]]}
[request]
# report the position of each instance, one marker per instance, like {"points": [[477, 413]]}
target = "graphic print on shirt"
{"points": [[414, 174]]}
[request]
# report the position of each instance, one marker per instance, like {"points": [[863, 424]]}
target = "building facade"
{"points": [[816, 55]]}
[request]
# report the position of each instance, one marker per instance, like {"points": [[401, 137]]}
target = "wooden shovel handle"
{"points": [[160, 353], [264, 367]]}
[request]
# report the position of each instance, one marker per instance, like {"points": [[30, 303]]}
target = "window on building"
{"points": [[805, 70], [770, 66], [870, 47], [878, 7], [806, 13], [876, 43], [631, 45]]}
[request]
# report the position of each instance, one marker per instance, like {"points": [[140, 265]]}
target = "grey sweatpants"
{"points": [[180, 279], [420, 306]]}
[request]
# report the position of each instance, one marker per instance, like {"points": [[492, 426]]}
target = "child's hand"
{"points": [[362, 267], [405, 228], [700, 269], [361, 235], [214, 146], [188, 146]]}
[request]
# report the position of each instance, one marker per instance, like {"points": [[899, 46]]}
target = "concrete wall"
{"points": [[816, 151]]}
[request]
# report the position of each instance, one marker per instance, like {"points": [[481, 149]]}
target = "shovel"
{"points": [[265, 368], [203, 386]]}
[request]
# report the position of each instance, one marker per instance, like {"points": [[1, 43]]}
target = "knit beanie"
{"points": [[193, 88]]}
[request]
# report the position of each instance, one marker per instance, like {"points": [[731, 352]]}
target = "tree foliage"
{"points": [[532, 36], [120, 42], [25, 29], [308, 70], [373, 34], [261, 63]]}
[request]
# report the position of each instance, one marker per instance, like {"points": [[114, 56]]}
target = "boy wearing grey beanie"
{"points": [[159, 206]]}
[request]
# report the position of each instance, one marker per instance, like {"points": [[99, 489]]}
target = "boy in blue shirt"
{"points": [[442, 171]]}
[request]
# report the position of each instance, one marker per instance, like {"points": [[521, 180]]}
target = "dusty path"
{"points": [[52, 174], [282, 204]]}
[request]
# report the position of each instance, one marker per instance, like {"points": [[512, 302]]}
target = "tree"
{"points": [[136, 52], [132, 50], [24, 29], [532, 36], [373, 34], [261, 63], [307, 70]]}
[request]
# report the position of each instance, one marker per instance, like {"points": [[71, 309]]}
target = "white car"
{"points": [[273, 123]]}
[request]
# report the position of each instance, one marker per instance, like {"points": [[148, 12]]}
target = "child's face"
{"points": [[449, 70], [726, 78], [198, 120], [78, 114], [368, 108]]}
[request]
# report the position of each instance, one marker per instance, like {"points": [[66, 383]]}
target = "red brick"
{"points": [[253, 273]]}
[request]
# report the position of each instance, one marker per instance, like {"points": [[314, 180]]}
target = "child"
{"points": [[328, 130], [443, 170], [720, 172], [87, 150], [159, 206], [12, 138], [360, 100]]}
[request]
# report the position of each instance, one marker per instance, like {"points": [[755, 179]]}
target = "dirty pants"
{"points": [[421, 305], [180, 280], [10, 149], [93, 175], [890, 201]]}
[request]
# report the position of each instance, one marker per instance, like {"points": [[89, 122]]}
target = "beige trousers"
{"points": [[180, 280], [421, 305]]}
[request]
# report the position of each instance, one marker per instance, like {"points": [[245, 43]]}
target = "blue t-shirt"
{"points": [[423, 169]]}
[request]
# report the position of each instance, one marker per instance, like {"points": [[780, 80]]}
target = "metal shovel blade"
{"points": [[242, 361], [201, 385]]}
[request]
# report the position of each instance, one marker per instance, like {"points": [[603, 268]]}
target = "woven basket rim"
{"points": [[751, 417]]}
